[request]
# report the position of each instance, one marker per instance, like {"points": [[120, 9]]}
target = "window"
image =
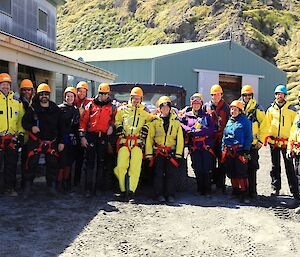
{"points": [[43, 20], [5, 6]]}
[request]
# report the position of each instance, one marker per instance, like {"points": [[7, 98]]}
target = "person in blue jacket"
{"points": [[199, 127], [236, 143]]}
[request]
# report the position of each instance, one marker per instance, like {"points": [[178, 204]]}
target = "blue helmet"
{"points": [[281, 89]]}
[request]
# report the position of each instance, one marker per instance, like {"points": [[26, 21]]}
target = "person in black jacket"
{"points": [[43, 121], [71, 118]]}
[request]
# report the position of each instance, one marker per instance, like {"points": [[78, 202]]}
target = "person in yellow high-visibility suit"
{"points": [[131, 123], [11, 135], [165, 143]]}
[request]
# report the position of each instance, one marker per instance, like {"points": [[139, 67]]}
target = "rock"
{"points": [[297, 210]]}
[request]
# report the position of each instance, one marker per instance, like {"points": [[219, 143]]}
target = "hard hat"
{"points": [[82, 84], [70, 89], [104, 88], [237, 104], [136, 91], [197, 97], [43, 88], [281, 89], [4, 77], [164, 100], [216, 89], [26, 83], [247, 89]]}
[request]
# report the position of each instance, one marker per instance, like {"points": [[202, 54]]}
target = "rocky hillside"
{"points": [[267, 27]]}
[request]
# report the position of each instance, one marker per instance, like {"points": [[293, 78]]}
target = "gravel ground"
{"points": [[72, 225]]}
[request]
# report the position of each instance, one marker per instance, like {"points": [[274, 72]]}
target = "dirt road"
{"points": [[195, 226]]}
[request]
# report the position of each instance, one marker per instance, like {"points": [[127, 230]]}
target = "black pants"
{"points": [[79, 158], [289, 169], [164, 176], [202, 164], [8, 159], [235, 168], [253, 166], [67, 156], [96, 153], [33, 163], [218, 169]]}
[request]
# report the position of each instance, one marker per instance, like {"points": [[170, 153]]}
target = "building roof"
{"points": [[27, 53], [136, 53]]}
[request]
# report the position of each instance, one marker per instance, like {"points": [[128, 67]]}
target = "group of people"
{"points": [[222, 140]]}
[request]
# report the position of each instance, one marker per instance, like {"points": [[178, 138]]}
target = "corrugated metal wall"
{"points": [[128, 71], [179, 68], [23, 22]]}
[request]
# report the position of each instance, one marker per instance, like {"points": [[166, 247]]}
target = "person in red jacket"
{"points": [[81, 102], [96, 126], [220, 112]]}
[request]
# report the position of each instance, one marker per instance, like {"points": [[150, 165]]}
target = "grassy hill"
{"points": [[267, 27]]}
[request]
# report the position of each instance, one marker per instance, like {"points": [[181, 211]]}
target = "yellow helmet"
{"points": [[82, 84], [104, 88], [136, 91], [216, 89], [164, 100], [4, 77], [70, 89], [238, 104], [197, 97], [43, 88], [26, 83], [247, 89]]}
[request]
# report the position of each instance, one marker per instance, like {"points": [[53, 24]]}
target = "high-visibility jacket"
{"points": [[11, 113], [256, 114], [294, 139], [157, 135], [98, 116], [132, 119], [279, 121]]}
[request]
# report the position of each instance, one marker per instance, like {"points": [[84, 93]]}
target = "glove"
{"points": [[289, 155], [144, 132], [119, 131]]}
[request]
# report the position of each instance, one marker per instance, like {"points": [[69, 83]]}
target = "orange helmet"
{"points": [[238, 104], [247, 89], [165, 100], [136, 91], [4, 77], [26, 83], [82, 84], [197, 97], [216, 89], [43, 88], [70, 89], [104, 88]]}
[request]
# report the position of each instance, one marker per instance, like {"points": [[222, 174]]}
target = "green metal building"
{"points": [[196, 66]]}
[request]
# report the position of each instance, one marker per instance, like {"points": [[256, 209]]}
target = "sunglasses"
{"points": [[246, 95], [44, 94], [102, 93], [27, 89]]}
